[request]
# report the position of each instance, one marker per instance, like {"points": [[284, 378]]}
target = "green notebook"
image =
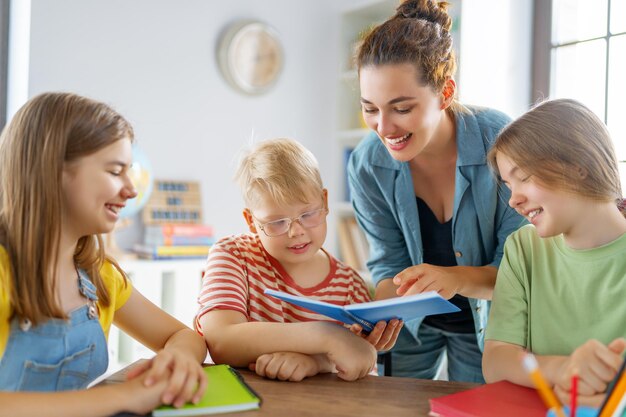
{"points": [[226, 392]]}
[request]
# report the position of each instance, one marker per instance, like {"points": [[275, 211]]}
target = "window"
{"points": [[580, 53]]}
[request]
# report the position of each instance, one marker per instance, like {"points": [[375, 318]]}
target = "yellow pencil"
{"points": [[545, 392]]}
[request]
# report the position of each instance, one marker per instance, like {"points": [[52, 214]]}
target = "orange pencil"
{"points": [[545, 392], [614, 397]]}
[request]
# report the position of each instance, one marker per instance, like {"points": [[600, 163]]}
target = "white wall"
{"points": [[154, 61], [495, 57]]}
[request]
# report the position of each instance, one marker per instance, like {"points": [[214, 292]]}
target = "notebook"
{"points": [[226, 392], [499, 399], [368, 314]]}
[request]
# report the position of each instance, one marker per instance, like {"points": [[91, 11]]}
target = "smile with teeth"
{"points": [[115, 209], [299, 246], [533, 213], [397, 141]]}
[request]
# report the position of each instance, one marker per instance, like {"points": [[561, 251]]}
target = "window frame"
{"points": [[543, 49]]}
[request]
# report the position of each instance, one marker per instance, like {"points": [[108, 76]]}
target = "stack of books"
{"points": [[174, 202], [176, 241]]}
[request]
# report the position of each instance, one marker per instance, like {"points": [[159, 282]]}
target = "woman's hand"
{"points": [[425, 277], [186, 381], [383, 336]]}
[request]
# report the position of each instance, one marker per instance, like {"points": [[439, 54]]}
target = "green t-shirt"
{"points": [[550, 298]]}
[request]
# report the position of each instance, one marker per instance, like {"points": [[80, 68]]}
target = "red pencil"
{"points": [[574, 394]]}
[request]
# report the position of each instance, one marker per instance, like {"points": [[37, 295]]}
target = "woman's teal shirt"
{"points": [[383, 198]]}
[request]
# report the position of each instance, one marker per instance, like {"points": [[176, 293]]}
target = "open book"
{"points": [[368, 314], [226, 392]]}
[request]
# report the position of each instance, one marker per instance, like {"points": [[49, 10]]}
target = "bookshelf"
{"points": [[350, 128], [354, 22]]}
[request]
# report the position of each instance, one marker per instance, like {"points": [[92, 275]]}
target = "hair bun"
{"points": [[436, 12]]}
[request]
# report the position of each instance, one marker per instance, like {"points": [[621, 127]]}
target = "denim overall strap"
{"points": [[58, 354]]}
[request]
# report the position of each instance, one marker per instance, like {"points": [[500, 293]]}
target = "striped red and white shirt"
{"points": [[239, 269]]}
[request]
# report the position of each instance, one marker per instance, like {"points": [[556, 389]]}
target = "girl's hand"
{"points": [[139, 398], [425, 277], [186, 379], [383, 336], [595, 364], [285, 366]]}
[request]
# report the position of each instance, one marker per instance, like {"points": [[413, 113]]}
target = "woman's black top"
{"points": [[438, 250]]}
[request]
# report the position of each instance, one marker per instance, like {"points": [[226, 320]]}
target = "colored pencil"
{"points": [[574, 394], [545, 392]]}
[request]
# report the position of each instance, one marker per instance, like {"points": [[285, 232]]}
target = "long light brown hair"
{"points": [[556, 142], [49, 131], [418, 34]]}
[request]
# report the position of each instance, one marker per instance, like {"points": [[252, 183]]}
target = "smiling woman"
{"points": [[433, 213]]}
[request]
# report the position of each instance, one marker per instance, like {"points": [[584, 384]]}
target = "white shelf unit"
{"points": [[354, 22], [172, 285], [350, 128]]}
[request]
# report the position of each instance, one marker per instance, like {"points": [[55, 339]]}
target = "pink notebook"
{"points": [[490, 400]]}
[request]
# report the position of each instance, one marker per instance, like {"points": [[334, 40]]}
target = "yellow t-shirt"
{"points": [[113, 280]]}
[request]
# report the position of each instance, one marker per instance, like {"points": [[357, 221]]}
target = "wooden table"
{"points": [[328, 395]]}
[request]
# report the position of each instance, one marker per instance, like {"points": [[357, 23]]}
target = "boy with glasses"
{"points": [[286, 208]]}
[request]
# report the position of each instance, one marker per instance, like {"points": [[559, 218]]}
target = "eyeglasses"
{"points": [[281, 226]]}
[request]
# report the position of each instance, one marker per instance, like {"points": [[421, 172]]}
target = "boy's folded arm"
{"points": [[233, 340], [323, 363], [291, 366]]}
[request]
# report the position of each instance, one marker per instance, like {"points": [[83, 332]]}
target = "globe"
{"points": [[140, 173]]}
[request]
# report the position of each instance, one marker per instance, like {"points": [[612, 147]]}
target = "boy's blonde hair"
{"points": [[279, 169], [566, 146], [49, 131]]}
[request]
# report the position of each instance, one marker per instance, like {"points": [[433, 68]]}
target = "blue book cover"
{"points": [[368, 314]]}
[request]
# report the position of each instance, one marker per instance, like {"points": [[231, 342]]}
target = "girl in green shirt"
{"points": [[560, 287]]}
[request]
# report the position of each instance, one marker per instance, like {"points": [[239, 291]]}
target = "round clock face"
{"points": [[251, 57]]}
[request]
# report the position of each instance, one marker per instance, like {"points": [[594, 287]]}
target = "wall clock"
{"points": [[250, 56]]}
